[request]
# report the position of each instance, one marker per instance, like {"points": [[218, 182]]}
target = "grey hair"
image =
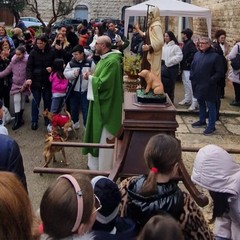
{"points": [[206, 39]]}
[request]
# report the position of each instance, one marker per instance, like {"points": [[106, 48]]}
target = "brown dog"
{"points": [[153, 82], [49, 150], [59, 120]]}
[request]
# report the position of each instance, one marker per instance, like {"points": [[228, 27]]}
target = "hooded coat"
{"points": [[216, 170], [156, 39], [18, 68]]}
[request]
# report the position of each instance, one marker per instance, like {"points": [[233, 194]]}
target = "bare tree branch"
{"points": [[59, 8]]}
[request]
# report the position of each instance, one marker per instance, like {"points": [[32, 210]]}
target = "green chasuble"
{"points": [[106, 109]]}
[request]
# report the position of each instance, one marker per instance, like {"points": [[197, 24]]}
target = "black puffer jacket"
{"points": [[168, 198], [38, 61]]}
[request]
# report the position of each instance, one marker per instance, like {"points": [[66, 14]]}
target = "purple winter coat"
{"points": [[18, 68]]}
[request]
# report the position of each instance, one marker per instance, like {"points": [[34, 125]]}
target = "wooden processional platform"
{"points": [[141, 121]]}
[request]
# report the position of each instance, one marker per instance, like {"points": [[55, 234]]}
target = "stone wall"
{"points": [[105, 9], [96, 8], [225, 15]]}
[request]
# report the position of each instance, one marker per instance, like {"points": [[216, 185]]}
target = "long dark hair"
{"points": [[220, 204], [45, 39], [58, 67], [162, 152], [172, 37], [21, 49]]}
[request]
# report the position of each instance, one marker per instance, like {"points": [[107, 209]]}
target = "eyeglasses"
{"points": [[203, 42], [98, 204]]}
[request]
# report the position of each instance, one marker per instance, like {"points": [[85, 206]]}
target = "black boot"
{"points": [[17, 124], [21, 116]]}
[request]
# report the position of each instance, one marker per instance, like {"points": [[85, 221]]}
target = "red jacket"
{"points": [[59, 120]]}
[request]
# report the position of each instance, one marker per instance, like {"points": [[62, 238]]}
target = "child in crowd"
{"points": [[74, 72], [67, 208], [108, 224], [19, 86], [59, 85], [3, 130], [217, 171], [17, 218], [147, 195], [161, 227]]}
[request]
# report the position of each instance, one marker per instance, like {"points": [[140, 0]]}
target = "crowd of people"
{"points": [[203, 65], [36, 64], [85, 72], [145, 207], [41, 51]]}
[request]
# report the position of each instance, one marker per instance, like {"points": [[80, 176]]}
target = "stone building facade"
{"points": [[96, 9], [225, 14]]}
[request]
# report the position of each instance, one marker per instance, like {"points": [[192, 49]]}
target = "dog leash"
{"points": [[29, 89]]}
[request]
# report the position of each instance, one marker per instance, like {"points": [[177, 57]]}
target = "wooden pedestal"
{"points": [[140, 123]]}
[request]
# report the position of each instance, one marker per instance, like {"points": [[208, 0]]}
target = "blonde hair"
{"points": [[65, 43], [16, 31], [15, 211]]}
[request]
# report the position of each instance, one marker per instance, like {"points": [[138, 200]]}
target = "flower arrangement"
{"points": [[132, 65]]}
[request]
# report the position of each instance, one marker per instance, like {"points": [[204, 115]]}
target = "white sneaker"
{"points": [[193, 107], [49, 128], [184, 102], [76, 125]]}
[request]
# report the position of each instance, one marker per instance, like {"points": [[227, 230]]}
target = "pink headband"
{"points": [[78, 191]]}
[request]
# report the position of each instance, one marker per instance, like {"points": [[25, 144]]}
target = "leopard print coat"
{"points": [[192, 221]]}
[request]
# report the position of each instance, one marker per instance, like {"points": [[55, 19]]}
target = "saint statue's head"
{"points": [[153, 15]]}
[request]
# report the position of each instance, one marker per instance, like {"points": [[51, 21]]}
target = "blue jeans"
{"points": [[212, 111], [78, 100], [56, 104], [46, 94]]}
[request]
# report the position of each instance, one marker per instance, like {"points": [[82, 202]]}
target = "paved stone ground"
{"points": [[31, 142]]}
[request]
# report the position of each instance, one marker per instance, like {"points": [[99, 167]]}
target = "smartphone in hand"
{"points": [[58, 42]]}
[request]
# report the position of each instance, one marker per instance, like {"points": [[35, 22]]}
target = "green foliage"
{"points": [[38, 30], [132, 64], [9, 33]]}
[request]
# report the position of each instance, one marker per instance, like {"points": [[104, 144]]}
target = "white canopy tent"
{"points": [[169, 8]]}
